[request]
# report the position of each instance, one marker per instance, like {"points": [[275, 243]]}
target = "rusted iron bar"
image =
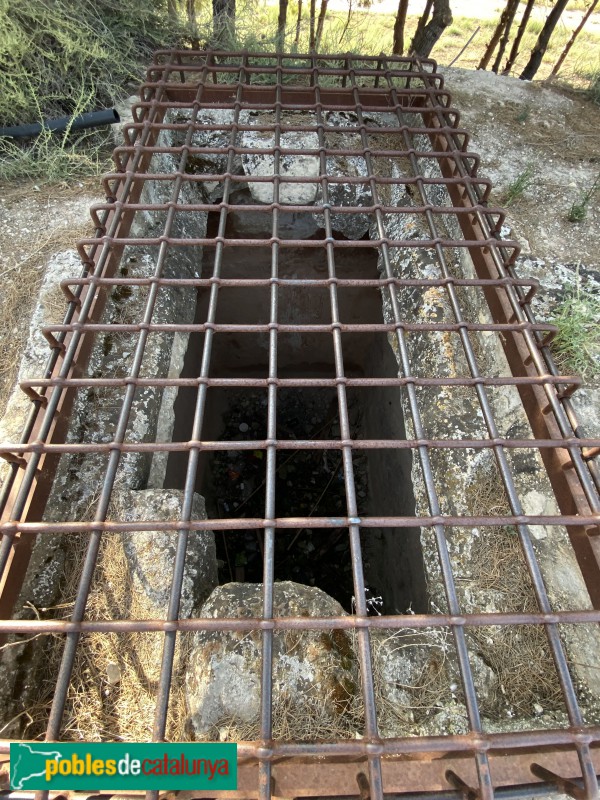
{"points": [[382, 622], [11, 528]]}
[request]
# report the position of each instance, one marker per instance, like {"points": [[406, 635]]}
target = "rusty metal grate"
{"points": [[475, 764]]}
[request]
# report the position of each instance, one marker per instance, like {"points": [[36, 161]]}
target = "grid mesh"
{"points": [[285, 100]]}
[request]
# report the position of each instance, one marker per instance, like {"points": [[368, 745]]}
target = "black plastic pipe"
{"points": [[93, 119]]}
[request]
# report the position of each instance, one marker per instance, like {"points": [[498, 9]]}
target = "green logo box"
{"points": [[97, 766]]}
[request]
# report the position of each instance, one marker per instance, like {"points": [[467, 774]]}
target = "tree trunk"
{"points": [[422, 44], [515, 48], [511, 11], [321, 23], [576, 33], [281, 23], [298, 22], [311, 43], [190, 8], [423, 19], [223, 21], [501, 26], [398, 47], [538, 51]]}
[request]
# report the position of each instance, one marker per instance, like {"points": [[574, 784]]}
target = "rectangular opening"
{"points": [[309, 482]]}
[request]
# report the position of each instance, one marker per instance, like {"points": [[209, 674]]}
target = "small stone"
{"points": [[538, 709], [244, 427], [113, 673]]}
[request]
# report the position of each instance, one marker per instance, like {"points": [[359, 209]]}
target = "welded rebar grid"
{"points": [[413, 92]]}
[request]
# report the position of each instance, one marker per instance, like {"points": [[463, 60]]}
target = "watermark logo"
{"points": [[92, 767]]}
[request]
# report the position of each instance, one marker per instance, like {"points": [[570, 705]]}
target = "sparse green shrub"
{"points": [[54, 53], [63, 58], [56, 159], [578, 211], [255, 29], [522, 182], [593, 91], [577, 343]]}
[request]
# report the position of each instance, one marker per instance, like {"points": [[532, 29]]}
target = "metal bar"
{"points": [[540, 355], [68, 659], [303, 623], [266, 687], [14, 555], [292, 522], [364, 644], [481, 758], [555, 643], [302, 444], [168, 654]]}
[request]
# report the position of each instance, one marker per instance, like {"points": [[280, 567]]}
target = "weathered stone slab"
{"points": [[292, 166], [35, 356], [94, 419], [206, 163], [353, 226], [310, 668], [150, 555]]}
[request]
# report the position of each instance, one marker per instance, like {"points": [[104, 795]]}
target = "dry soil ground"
{"points": [[518, 127]]}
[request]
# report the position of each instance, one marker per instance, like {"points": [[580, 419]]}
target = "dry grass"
{"points": [[114, 682], [430, 690], [518, 655], [287, 118], [18, 291], [574, 143], [100, 708], [486, 495]]}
